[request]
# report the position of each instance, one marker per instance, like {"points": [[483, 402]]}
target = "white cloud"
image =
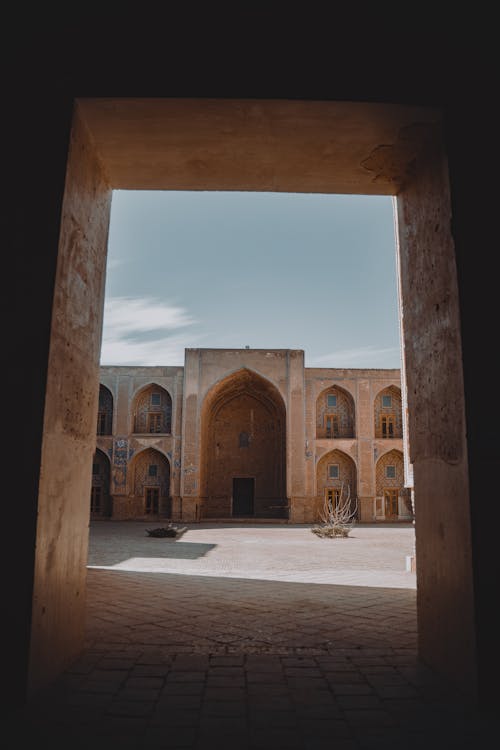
{"points": [[114, 263], [126, 317], [363, 356]]}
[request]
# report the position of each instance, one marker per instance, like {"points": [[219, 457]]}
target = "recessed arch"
{"points": [[392, 498], [335, 413], [152, 410], [149, 484], [388, 413], [243, 457], [336, 470], [105, 411], [101, 504]]}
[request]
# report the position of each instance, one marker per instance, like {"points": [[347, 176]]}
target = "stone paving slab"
{"points": [[317, 648]]}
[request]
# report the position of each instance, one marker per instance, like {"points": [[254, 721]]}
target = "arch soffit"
{"points": [[387, 388], [100, 452], [388, 451], [107, 388], [150, 448], [345, 391], [216, 391], [326, 457], [143, 388]]}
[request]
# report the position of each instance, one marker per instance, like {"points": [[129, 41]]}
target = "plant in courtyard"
{"points": [[162, 531], [338, 514]]}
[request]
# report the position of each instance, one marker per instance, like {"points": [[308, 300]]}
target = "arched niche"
{"points": [[105, 411], [152, 410], [100, 498], [388, 414], [336, 478], [335, 413], [392, 499], [150, 483], [243, 439]]}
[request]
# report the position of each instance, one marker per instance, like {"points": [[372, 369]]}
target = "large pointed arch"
{"points": [[243, 455]]}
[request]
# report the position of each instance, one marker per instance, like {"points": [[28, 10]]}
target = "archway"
{"points": [[302, 146], [335, 415], [149, 485], [105, 413], [243, 449], [388, 414], [152, 410], [392, 501], [100, 498], [336, 480]]}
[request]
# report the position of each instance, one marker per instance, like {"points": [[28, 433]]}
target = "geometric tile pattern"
{"points": [[143, 406], [142, 477], [344, 410], [347, 472], [395, 410], [391, 458]]}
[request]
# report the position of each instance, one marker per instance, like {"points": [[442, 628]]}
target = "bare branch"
{"points": [[338, 515]]}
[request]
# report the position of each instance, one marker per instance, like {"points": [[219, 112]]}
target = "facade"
{"points": [[248, 433]]}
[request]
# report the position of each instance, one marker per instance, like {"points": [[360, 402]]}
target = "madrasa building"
{"points": [[248, 434]]}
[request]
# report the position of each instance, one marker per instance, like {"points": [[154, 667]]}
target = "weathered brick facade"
{"points": [[250, 433]]}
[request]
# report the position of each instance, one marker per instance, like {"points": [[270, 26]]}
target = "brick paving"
{"points": [[251, 636]]}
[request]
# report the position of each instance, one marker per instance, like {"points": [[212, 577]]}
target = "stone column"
{"points": [[366, 460], [190, 501], [295, 439]]}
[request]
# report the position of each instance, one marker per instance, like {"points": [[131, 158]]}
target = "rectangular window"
{"points": [[332, 425], [101, 423], [387, 423], [153, 470], [96, 469], [333, 471], [331, 400], [386, 402], [333, 497], [390, 472], [154, 422], [156, 399]]}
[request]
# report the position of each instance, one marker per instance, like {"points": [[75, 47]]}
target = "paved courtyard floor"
{"points": [[251, 636]]}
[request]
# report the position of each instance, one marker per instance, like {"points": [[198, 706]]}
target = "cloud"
{"points": [[363, 356], [129, 327], [114, 263]]}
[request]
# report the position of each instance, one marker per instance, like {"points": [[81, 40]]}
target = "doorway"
{"points": [[152, 500], [321, 146], [391, 504], [243, 496]]}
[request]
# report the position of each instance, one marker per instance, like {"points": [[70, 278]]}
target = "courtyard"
{"points": [[251, 635]]}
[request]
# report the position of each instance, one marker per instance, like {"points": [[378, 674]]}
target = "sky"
{"points": [[265, 270]]}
